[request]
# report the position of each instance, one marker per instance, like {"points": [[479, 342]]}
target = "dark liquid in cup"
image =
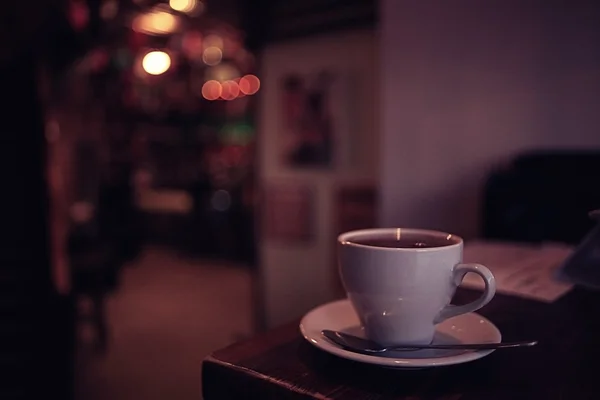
{"points": [[404, 243]]}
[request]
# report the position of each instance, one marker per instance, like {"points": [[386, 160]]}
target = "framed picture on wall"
{"points": [[289, 212], [308, 136], [317, 119]]}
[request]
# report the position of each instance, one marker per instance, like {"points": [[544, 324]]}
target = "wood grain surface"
{"points": [[282, 365]]}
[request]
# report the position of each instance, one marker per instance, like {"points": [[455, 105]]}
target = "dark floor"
{"points": [[169, 313]]}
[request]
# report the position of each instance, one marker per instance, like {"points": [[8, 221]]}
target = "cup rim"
{"points": [[344, 239]]}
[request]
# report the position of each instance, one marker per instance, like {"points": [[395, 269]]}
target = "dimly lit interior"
{"points": [[177, 173]]}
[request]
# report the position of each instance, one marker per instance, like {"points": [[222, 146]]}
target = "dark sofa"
{"points": [[543, 196]]}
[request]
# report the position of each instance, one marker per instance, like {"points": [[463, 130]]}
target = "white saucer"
{"points": [[340, 316]]}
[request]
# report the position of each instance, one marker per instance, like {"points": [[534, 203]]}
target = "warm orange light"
{"points": [[156, 62], [184, 6], [156, 22], [212, 55], [249, 84], [231, 90], [212, 90]]}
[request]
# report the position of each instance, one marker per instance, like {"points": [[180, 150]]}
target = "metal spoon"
{"points": [[360, 345]]}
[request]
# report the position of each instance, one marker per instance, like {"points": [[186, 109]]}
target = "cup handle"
{"points": [[458, 274]]}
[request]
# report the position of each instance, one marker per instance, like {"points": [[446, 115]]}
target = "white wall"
{"points": [[468, 83], [294, 278]]}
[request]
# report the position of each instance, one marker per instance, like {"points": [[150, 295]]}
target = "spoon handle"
{"points": [[466, 346]]}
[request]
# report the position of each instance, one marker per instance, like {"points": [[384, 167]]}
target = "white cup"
{"points": [[400, 294]]}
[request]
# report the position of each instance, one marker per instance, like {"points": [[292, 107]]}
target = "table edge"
{"points": [[210, 359]]}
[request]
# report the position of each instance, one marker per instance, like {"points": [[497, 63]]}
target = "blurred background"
{"points": [[175, 173]]}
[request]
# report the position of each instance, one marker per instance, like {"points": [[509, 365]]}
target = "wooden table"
{"points": [[282, 365]]}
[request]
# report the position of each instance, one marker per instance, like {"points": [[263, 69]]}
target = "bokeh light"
{"points": [[156, 62], [221, 200], [212, 55], [230, 90], [79, 15], [184, 6], [249, 84], [156, 22], [212, 90]]}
